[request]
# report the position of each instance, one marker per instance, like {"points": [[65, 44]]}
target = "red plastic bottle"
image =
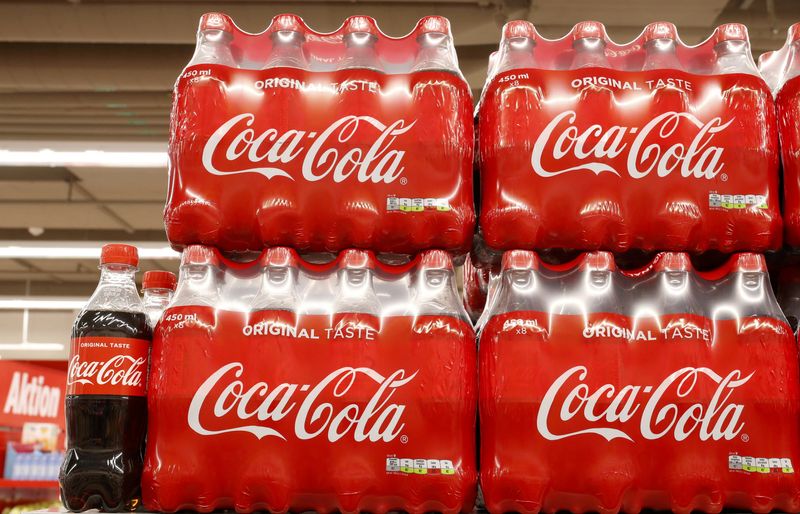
{"points": [[106, 399]]}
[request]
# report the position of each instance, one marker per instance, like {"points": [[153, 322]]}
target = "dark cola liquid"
{"points": [[102, 467]]}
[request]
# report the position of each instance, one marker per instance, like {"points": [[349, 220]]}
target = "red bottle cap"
{"points": [[672, 261], [587, 29], [748, 262], [356, 259], [435, 259], [361, 24], [660, 30], [519, 28], [598, 261], [280, 256], [794, 32], [730, 32], [290, 22], [119, 254], [199, 254], [520, 260], [216, 21], [159, 280], [435, 24]]}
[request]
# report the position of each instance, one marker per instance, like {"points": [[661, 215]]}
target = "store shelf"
{"points": [[28, 484]]}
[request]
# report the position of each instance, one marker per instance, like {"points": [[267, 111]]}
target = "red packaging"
{"points": [[283, 385], [661, 389], [321, 141], [588, 144], [781, 69]]}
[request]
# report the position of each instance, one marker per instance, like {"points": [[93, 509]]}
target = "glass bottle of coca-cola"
{"points": [[106, 403], [157, 290]]}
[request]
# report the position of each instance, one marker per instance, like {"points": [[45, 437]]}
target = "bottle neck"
{"points": [[661, 54], [360, 52], [590, 52], [287, 50], [213, 48], [157, 295], [198, 285], [116, 290], [518, 54]]}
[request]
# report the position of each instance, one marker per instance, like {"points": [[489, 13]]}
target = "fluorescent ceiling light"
{"points": [[69, 250], [84, 158], [41, 303], [36, 347]]}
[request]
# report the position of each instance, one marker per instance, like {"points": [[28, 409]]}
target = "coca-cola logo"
{"points": [[353, 146], [119, 370], [652, 148], [224, 398], [610, 409]]}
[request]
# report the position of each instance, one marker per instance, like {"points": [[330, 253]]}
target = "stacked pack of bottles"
{"points": [[657, 387], [322, 142], [334, 382], [589, 144]]}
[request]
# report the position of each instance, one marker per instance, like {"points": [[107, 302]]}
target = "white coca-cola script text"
{"points": [[718, 418], [241, 408], [352, 146]]}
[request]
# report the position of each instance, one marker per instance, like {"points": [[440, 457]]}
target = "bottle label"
{"points": [[114, 366]]}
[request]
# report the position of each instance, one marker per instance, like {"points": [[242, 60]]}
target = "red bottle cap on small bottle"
{"points": [[280, 256], [356, 259], [587, 29], [519, 28], [435, 24], [159, 280], [119, 254], [660, 30], [216, 21], [520, 260], [730, 32], [672, 261], [361, 24], [199, 254], [598, 261], [290, 22], [435, 259]]}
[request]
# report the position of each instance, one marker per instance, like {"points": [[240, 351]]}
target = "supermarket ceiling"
{"points": [[93, 74]]}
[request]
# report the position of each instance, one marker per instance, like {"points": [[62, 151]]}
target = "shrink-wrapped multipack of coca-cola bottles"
{"points": [[283, 385], [781, 69], [660, 388], [322, 141], [585, 143]]}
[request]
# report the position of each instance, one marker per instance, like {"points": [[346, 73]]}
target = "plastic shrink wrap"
{"points": [[279, 385], [588, 144], [321, 142], [661, 388]]}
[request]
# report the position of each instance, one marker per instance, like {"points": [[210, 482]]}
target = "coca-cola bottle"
{"points": [[518, 46], [589, 46], [360, 37], [106, 403], [660, 47], [200, 278], [356, 305], [435, 50], [733, 50], [287, 43], [435, 292], [157, 290], [213, 43], [278, 289]]}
